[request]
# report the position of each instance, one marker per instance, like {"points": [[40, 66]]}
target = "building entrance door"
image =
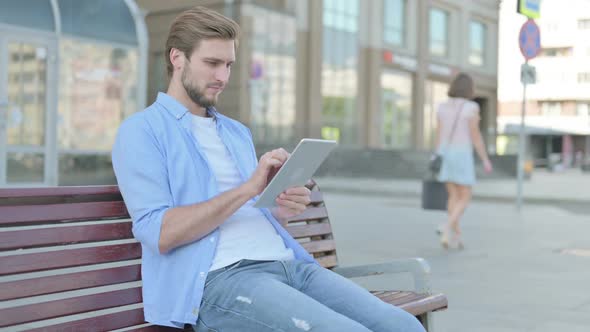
{"points": [[27, 109]]}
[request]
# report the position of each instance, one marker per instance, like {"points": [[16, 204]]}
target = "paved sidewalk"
{"points": [[519, 272], [571, 186]]}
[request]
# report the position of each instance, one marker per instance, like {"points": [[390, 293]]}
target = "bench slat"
{"points": [[71, 281], [59, 191], [311, 213], [416, 304], [156, 328], [100, 323], [70, 306], [64, 235], [300, 231], [319, 246], [61, 212], [68, 258]]}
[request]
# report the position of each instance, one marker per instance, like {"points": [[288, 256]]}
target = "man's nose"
{"points": [[222, 73]]}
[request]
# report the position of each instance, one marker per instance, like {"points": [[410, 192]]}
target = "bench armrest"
{"points": [[418, 267]]}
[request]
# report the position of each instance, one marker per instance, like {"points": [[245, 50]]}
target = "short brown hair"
{"points": [[462, 87], [196, 24]]}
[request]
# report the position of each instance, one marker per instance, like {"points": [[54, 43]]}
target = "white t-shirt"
{"points": [[246, 234]]}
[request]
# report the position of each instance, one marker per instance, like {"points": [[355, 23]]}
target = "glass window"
{"points": [[396, 109], [24, 167], [584, 77], [108, 20], [583, 110], [27, 92], [477, 42], [272, 76], [98, 89], [35, 14], [584, 24], [339, 71], [394, 21], [551, 108], [435, 94], [439, 25]]}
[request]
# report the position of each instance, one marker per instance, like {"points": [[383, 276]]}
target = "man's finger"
{"points": [[301, 199], [298, 191]]}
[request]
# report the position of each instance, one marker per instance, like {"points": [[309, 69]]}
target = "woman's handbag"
{"points": [[435, 163], [434, 195]]}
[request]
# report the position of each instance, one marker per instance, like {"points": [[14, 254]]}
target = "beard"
{"points": [[194, 93]]}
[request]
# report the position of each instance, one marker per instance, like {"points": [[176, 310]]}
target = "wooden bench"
{"points": [[69, 262]]}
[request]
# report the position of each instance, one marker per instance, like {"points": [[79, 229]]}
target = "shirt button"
{"points": [[196, 311], [202, 274], [212, 239]]}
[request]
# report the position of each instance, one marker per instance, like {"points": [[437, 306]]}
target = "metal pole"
{"points": [[521, 148]]}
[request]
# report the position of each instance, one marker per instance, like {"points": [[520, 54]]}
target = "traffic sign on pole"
{"points": [[529, 39], [528, 74], [529, 8]]}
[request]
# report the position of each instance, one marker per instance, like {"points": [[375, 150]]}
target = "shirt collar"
{"points": [[176, 109]]}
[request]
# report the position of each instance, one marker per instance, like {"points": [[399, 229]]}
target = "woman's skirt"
{"points": [[457, 166]]}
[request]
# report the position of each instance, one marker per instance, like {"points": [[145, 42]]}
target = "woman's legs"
{"points": [[459, 198]]}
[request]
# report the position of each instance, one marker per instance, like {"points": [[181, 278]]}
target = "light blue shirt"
{"points": [[159, 165]]}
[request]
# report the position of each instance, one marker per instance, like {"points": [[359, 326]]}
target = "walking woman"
{"points": [[457, 135]]}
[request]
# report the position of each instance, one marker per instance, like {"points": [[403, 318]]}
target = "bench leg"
{"points": [[426, 320]]}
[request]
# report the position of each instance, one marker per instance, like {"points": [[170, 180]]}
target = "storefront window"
{"points": [[98, 90], [339, 71], [272, 76], [396, 109], [435, 94]]}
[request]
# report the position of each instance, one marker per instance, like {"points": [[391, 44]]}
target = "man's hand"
{"points": [[267, 168], [291, 202]]}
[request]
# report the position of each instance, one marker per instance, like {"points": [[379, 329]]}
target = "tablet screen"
{"points": [[306, 158]]}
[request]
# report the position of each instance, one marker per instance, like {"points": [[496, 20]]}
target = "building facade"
{"points": [[558, 104], [366, 73]]}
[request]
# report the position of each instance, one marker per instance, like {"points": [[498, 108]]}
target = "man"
{"points": [[189, 177]]}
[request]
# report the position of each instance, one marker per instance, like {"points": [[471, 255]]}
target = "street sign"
{"points": [[529, 39], [528, 74], [529, 8]]}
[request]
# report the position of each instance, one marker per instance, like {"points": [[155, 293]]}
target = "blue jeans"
{"points": [[293, 296]]}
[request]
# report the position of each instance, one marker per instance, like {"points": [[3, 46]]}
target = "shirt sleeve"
{"points": [[140, 168], [473, 111]]}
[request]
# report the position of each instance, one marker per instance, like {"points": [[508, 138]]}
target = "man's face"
{"points": [[207, 72]]}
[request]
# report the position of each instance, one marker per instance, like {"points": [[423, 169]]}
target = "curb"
{"points": [[476, 197]]}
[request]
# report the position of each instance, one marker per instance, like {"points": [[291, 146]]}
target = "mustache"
{"points": [[216, 85]]}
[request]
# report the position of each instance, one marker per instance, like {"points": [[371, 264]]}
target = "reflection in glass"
{"points": [[339, 71], [272, 76], [24, 167], [435, 94], [27, 74], [439, 32], [396, 109], [394, 21], [98, 90], [85, 169], [477, 40]]}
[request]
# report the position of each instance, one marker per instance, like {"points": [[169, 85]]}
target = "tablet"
{"points": [[308, 155]]}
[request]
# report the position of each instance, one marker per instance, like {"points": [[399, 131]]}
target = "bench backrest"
{"points": [[69, 262]]}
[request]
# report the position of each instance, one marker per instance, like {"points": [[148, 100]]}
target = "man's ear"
{"points": [[176, 58]]}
